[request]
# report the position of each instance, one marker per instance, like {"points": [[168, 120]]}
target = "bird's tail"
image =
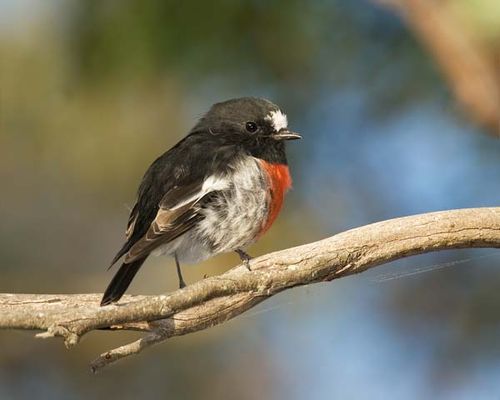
{"points": [[121, 281]]}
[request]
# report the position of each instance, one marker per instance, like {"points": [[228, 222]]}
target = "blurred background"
{"points": [[397, 102]]}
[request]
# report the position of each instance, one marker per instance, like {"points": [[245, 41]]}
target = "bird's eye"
{"points": [[251, 127]]}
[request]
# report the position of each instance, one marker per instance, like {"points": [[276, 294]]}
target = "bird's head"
{"points": [[246, 119]]}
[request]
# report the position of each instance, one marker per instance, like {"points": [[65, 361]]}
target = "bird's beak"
{"points": [[285, 134]]}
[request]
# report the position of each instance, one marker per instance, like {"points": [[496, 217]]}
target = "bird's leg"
{"points": [[245, 258], [182, 284]]}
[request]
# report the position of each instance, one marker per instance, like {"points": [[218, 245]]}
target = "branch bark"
{"points": [[217, 299]]}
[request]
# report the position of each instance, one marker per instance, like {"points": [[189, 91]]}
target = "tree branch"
{"points": [[217, 299]]}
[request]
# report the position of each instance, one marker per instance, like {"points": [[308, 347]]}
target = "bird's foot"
{"points": [[182, 284], [245, 258]]}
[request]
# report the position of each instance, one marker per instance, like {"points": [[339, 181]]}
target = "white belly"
{"points": [[232, 220]]}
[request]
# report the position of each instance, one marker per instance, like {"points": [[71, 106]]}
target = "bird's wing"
{"points": [[170, 193], [132, 219], [178, 212], [131, 228]]}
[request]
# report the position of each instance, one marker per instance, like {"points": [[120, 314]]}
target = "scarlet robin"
{"points": [[218, 190]]}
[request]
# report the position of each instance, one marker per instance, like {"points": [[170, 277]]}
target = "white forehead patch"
{"points": [[278, 119]]}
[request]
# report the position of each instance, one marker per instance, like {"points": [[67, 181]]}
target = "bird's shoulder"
{"points": [[194, 158]]}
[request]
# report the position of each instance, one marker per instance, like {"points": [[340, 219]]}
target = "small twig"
{"points": [[192, 320], [136, 347]]}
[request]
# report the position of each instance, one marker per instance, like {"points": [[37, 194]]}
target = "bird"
{"points": [[218, 190]]}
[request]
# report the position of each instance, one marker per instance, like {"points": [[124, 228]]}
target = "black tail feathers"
{"points": [[121, 281]]}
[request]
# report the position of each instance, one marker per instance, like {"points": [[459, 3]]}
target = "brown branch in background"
{"points": [[469, 69], [214, 300]]}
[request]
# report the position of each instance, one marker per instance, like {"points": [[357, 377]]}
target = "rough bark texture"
{"points": [[220, 298]]}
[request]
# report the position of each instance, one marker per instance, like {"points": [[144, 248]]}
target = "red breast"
{"points": [[280, 181]]}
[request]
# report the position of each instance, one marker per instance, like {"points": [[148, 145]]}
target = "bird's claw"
{"points": [[245, 258]]}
